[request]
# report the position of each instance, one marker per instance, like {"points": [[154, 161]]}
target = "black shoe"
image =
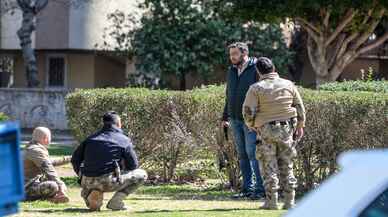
{"points": [[256, 195], [241, 195]]}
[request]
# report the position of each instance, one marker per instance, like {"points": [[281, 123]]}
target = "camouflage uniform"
{"points": [[276, 154], [128, 183], [274, 108], [40, 178]]}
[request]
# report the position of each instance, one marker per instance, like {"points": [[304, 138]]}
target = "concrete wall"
{"points": [[35, 107]]}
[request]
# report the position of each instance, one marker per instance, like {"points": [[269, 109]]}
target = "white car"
{"points": [[360, 189]]}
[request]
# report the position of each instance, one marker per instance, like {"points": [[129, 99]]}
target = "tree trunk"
{"points": [[29, 9], [330, 49], [182, 81]]}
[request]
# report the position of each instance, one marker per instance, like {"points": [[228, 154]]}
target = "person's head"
{"points": [[41, 135], [111, 118], [238, 52], [264, 66]]}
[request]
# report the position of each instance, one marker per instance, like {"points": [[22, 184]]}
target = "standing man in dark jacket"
{"points": [[241, 75], [106, 162]]}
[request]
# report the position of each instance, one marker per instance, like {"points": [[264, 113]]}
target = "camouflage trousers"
{"points": [[41, 190], [276, 154], [130, 181]]}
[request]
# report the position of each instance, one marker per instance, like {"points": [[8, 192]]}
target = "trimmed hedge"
{"points": [[373, 86], [170, 128]]}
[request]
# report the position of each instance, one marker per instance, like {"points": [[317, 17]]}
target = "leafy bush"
{"points": [[172, 128], [373, 86], [179, 37], [3, 117]]}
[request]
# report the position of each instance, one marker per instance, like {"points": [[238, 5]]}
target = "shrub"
{"points": [[172, 128], [3, 117], [372, 86]]}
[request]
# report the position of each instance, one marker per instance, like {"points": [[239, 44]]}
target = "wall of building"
{"points": [[35, 107], [52, 26], [10, 24], [65, 24], [19, 70], [80, 71], [353, 71], [109, 72], [87, 22]]}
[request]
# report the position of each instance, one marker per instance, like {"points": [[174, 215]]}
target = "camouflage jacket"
{"points": [[272, 99]]}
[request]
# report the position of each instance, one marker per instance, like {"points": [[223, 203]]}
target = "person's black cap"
{"points": [[264, 65], [110, 117]]}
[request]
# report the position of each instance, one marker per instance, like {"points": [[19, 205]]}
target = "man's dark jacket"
{"points": [[99, 152], [237, 88]]}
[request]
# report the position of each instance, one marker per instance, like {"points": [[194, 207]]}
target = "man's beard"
{"points": [[241, 61]]}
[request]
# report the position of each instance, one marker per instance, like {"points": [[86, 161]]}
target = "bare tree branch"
{"points": [[345, 21], [345, 44], [312, 58], [308, 25], [310, 31], [327, 18], [374, 44], [335, 51], [370, 29]]}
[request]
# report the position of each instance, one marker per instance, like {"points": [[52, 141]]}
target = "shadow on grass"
{"points": [[66, 210], [184, 192], [84, 210], [197, 210]]}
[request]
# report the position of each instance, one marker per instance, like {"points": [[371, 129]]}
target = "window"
{"points": [[56, 71], [378, 208]]}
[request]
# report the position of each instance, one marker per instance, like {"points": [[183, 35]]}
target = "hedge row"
{"points": [[373, 86], [170, 128]]}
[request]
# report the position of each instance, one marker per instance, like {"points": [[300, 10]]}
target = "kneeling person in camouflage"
{"points": [[273, 107], [106, 162], [40, 178]]}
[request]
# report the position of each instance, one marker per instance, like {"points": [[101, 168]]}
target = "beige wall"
{"points": [[109, 72], [80, 71], [19, 70]]}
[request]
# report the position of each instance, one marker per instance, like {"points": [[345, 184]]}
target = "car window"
{"points": [[378, 208]]}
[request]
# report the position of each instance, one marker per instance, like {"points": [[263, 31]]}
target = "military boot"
{"points": [[271, 202], [94, 200], [59, 199], [117, 203], [289, 200]]}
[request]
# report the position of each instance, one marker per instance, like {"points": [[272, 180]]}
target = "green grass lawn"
{"points": [[162, 200]]}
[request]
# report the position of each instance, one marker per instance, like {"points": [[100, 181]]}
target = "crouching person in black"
{"points": [[106, 162]]}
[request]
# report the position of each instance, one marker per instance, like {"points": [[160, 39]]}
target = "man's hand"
{"points": [[299, 133], [225, 124]]}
